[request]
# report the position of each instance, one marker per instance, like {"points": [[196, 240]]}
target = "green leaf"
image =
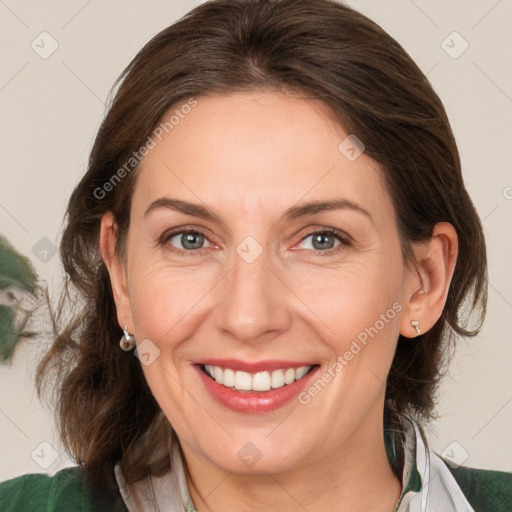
{"points": [[15, 269], [8, 334]]}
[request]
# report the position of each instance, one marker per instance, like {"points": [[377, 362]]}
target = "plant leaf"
{"points": [[8, 334], [15, 269]]}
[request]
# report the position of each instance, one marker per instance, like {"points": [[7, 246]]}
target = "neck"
{"points": [[356, 477]]}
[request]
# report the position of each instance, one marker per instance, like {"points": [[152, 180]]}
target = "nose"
{"points": [[254, 305]]}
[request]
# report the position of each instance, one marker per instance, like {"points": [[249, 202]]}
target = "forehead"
{"points": [[246, 151]]}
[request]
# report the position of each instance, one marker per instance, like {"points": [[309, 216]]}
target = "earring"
{"points": [[416, 325], [127, 342]]}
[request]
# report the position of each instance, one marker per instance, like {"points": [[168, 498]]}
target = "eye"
{"points": [[186, 241], [326, 241]]}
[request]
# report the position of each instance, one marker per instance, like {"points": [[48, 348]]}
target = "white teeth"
{"points": [[218, 374], [300, 372], [260, 381], [210, 370], [229, 378], [243, 381], [277, 379], [289, 376]]}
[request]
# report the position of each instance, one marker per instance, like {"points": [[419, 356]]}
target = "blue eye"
{"points": [[186, 242], [324, 241], [321, 241]]}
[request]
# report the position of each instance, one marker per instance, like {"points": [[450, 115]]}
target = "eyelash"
{"points": [[345, 240], [167, 236]]}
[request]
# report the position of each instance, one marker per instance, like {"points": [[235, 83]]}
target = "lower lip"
{"points": [[254, 401]]}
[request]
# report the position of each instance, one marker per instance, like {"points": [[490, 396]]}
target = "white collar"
{"points": [[438, 490], [427, 484], [166, 493]]}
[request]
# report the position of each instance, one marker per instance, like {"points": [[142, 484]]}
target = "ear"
{"points": [[116, 270], [428, 284]]}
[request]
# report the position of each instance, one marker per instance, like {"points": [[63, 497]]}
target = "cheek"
{"points": [[358, 309], [362, 310], [163, 305], [353, 295], [164, 300]]}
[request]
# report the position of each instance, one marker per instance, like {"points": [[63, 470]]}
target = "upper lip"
{"points": [[254, 366]]}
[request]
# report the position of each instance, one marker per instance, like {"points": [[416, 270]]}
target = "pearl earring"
{"points": [[416, 325], [127, 342]]}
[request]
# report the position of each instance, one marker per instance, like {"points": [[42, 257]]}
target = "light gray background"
{"points": [[52, 107]]}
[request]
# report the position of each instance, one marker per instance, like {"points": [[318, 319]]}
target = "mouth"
{"points": [[254, 388], [257, 381]]}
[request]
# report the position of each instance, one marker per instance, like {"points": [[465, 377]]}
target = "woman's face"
{"points": [[228, 266]]}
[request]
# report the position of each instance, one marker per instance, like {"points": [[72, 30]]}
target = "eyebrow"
{"points": [[293, 213], [312, 207], [186, 207]]}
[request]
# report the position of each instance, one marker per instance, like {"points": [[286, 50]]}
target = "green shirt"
{"points": [[429, 484], [66, 491]]}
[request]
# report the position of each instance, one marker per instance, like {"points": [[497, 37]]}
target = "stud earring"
{"points": [[416, 325], [127, 342]]}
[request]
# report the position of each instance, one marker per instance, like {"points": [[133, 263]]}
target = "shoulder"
{"points": [[485, 490], [66, 490]]}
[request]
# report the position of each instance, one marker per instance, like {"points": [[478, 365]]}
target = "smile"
{"points": [[258, 381], [254, 387]]}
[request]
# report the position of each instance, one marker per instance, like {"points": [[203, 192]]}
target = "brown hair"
{"points": [[319, 49]]}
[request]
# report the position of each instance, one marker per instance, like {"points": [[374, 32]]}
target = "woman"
{"points": [[274, 224]]}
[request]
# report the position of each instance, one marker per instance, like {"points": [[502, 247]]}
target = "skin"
{"points": [[249, 157]]}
